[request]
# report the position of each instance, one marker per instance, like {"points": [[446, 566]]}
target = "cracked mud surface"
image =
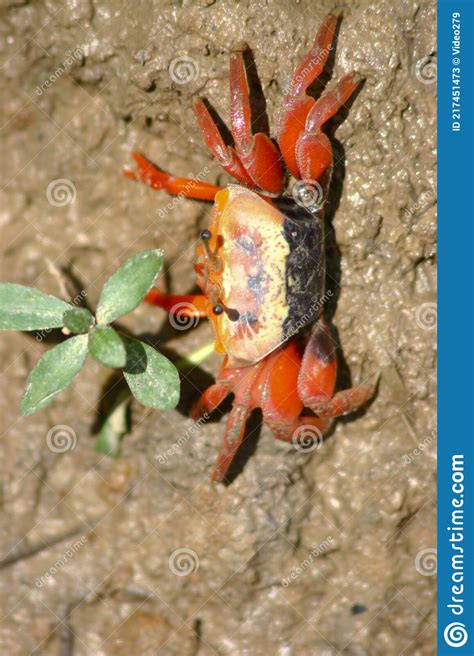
{"points": [[321, 553]]}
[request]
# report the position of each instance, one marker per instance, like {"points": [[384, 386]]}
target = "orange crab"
{"points": [[261, 264]]}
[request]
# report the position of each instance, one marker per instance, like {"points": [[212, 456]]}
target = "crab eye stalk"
{"points": [[232, 314], [206, 236]]}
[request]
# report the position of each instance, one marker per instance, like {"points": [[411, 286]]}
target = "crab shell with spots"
{"points": [[263, 264]]}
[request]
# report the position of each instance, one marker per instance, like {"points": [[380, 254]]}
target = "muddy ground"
{"points": [[326, 552]]}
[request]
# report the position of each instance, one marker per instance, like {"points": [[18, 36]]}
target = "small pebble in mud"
{"points": [[358, 609]]}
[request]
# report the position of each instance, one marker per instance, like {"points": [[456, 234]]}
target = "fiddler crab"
{"points": [[261, 263]]}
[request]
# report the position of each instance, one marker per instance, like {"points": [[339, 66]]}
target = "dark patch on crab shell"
{"points": [[305, 265]]}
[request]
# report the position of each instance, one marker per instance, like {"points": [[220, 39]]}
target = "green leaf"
{"points": [[107, 347], [25, 308], [124, 290], [115, 426], [53, 373], [78, 320], [152, 378]]}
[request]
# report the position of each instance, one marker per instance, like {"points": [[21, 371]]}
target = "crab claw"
{"points": [[257, 153], [225, 155]]}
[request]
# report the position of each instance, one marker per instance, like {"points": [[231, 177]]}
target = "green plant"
{"points": [[153, 379]]}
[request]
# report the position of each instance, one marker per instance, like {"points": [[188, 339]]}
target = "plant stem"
{"points": [[196, 358]]}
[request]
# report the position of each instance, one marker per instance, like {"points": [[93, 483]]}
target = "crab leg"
{"points": [[302, 430], [210, 400], [225, 155], [184, 305], [343, 402], [313, 148], [278, 396], [257, 152], [150, 174], [297, 104], [240, 381], [317, 378], [233, 438]]}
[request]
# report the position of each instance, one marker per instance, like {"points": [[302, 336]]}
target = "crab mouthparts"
{"points": [[218, 307]]}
